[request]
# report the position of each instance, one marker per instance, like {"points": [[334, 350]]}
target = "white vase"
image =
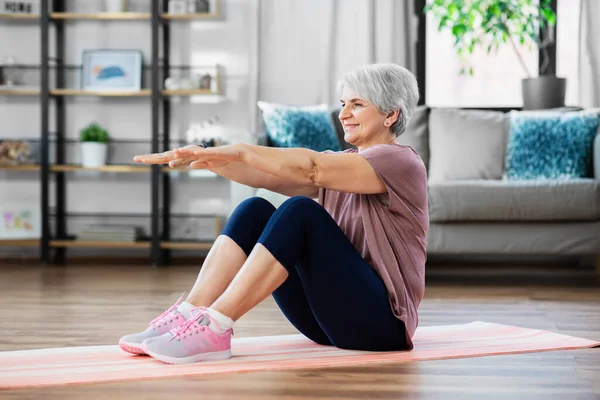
{"points": [[115, 6], [93, 154]]}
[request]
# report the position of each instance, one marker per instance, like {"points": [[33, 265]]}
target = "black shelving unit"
{"points": [[54, 245]]}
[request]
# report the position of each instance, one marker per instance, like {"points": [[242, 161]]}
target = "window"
{"points": [[567, 47], [497, 77]]}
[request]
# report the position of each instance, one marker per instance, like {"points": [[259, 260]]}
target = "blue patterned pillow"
{"points": [[550, 145], [310, 127]]}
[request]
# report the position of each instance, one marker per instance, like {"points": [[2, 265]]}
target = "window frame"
{"points": [[421, 47]]}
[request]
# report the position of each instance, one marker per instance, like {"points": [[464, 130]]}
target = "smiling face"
{"points": [[364, 125]]}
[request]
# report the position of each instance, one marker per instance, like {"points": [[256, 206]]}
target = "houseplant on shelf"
{"points": [[491, 23], [94, 146]]}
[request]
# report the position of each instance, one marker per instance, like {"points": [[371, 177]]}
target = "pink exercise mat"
{"points": [[92, 364]]}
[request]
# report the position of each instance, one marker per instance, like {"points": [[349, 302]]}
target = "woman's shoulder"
{"points": [[339, 151], [391, 148], [382, 150], [395, 154]]}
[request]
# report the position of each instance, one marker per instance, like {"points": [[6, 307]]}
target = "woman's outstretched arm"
{"points": [[299, 167], [247, 175], [234, 170]]}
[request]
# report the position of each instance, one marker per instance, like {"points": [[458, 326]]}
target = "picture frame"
{"points": [[19, 7], [20, 221], [106, 70]]}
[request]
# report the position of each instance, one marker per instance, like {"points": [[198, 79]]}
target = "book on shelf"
{"points": [[110, 233]]}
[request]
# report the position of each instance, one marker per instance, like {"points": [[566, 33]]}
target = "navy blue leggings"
{"points": [[331, 295]]}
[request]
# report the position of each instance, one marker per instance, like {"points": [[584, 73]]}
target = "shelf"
{"points": [[102, 215], [190, 16], [186, 245], [28, 17], [19, 92], [100, 16], [141, 93], [20, 242], [189, 92], [107, 244], [106, 168], [99, 244], [19, 167], [128, 16], [71, 168], [73, 92]]}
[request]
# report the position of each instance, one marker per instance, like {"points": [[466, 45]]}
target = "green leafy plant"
{"points": [[492, 23], [94, 133]]}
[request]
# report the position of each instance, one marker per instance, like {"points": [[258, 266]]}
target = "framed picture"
{"points": [[12, 7], [20, 221], [112, 70]]}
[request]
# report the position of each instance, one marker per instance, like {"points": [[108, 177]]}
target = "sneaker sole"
{"points": [[131, 348], [215, 356]]}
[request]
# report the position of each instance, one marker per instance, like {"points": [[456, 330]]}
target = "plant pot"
{"points": [[115, 6], [93, 154], [543, 92]]}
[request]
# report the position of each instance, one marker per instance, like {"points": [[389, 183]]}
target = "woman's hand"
{"points": [[195, 157], [213, 157], [167, 157]]}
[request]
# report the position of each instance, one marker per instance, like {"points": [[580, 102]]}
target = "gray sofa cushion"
{"points": [[499, 200], [467, 144], [416, 134]]}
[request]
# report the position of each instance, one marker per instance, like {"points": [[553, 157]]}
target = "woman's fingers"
{"points": [[192, 156], [199, 165], [156, 158], [188, 151], [167, 156], [180, 162]]}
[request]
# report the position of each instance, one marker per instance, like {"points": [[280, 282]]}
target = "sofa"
{"points": [[477, 207]]}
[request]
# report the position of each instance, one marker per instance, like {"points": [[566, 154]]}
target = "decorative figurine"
{"points": [[205, 81]]}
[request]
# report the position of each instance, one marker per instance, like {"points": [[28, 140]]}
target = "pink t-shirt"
{"points": [[390, 230]]}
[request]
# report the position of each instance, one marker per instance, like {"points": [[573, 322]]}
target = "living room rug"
{"points": [[93, 364]]}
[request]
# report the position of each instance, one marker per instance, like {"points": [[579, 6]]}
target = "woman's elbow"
{"points": [[313, 177]]}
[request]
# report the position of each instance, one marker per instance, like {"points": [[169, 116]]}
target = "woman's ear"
{"points": [[392, 117]]}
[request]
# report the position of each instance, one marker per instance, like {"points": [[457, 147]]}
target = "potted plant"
{"points": [[94, 146], [492, 23]]}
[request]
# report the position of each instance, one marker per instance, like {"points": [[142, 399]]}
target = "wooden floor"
{"points": [[95, 304]]}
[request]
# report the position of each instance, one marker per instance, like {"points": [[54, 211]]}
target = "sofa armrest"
{"points": [[597, 155]]}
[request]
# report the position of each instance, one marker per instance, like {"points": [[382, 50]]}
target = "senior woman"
{"points": [[346, 271]]}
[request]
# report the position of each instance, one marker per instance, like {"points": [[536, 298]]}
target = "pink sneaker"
{"points": [[159, 326], [190, 342]]}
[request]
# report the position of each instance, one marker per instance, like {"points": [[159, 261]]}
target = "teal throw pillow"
{"points": [[551, 145], [309, 127]]}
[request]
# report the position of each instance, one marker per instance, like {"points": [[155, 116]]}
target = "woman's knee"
{"points": [[254, 206], [247, 222], [300, 203]]}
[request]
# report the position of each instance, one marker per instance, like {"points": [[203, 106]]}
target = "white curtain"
{"points": [[589, 54], [305, 46]]}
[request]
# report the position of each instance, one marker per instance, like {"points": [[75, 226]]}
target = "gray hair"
{"points": [[388, 86]]}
